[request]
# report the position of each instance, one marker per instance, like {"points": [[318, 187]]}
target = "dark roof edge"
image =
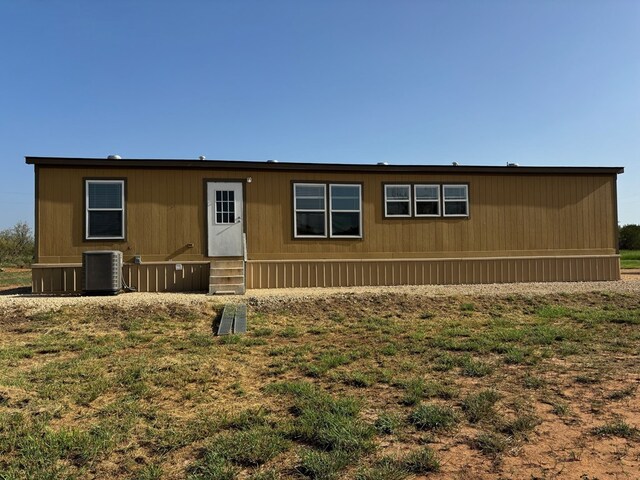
{"points": [[335, 167]]}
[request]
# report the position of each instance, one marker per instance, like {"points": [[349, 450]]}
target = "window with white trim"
{"points": [[455, 199], [346, 210], [310, 210], [427, 200], [397, 200], [104, 216]]}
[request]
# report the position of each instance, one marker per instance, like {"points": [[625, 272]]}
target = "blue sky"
{"points": [[535, 82]]}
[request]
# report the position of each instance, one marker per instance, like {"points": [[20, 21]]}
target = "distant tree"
{"points": [[629, 238], [16, 245]]}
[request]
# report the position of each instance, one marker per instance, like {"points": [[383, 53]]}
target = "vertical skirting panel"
{"points": [[159, 277], [343, 273]]}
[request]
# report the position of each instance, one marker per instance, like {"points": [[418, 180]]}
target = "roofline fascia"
{"points": [[296, 166]]}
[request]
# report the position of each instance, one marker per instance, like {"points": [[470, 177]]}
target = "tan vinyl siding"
{"points": [[162, 277], [510, 215], [348, 273]]}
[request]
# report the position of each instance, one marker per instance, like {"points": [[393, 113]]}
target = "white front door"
{"points": [[224, 219]]}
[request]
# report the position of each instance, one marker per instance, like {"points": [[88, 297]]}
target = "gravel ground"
{"points": [[630, 284]]}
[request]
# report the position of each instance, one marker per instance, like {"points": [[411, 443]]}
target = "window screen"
{"points": [[345, 211], [104, 209], [309, 210], [427, 198], [456, 200], [397, 200]]}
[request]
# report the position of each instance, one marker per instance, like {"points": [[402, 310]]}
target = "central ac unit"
{"points": [[102, 272]]}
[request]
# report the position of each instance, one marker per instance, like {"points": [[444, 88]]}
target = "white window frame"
{"points": [[88, 210], [444, 200], [302, 210], [359, 211], [437, 201], [408, 200]]}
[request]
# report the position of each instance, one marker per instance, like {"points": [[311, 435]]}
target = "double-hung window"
{"points": [[346, 211], [427, 200], [397, 200], [455, 200], [310, 210], [324, 210], [104, 216]]}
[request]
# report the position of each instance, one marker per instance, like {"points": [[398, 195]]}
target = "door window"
{"points": [[225, 207]]}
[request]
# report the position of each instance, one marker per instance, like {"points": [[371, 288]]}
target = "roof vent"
{"points": [[382, 163], [512, 164], [272, 161], [114, 157], [202, 157]]}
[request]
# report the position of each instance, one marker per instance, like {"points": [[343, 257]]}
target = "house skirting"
{"points": [[194, 276], [147, 277], [347, 273]]}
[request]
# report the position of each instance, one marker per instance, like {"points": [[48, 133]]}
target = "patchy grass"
{"points": [[433, 417], [629, 258], [374, 386], [480, 406], [618, 428], [14, 277]]}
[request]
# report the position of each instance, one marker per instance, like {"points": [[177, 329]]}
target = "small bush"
{"points": [[16, 245], [433, 417]]}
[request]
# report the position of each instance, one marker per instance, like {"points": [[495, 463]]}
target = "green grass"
{"points": [[352, 386], [433, 417], [480, 406], [629, 258], [618, 428], [18, 279], [491, 443]]}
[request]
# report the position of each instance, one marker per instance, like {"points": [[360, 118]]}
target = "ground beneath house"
{"points": [[465, 382]]}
